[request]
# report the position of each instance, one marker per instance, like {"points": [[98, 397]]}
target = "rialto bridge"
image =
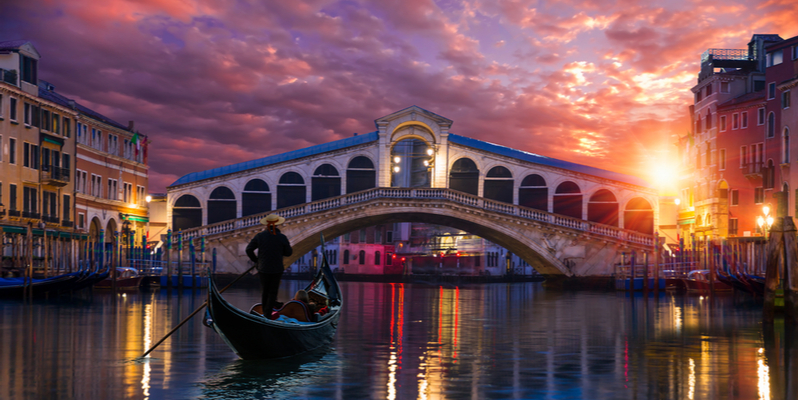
{"points": [[561, 218]]}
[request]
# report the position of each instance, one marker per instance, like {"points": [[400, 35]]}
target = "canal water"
{"points": [[406, 341]]}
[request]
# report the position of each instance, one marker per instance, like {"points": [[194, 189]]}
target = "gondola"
{"points": [[16, 287], [254, 337]]}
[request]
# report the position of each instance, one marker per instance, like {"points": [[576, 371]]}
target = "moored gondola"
{"points": [[252, 336]]}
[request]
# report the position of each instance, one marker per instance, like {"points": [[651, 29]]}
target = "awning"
{"points": [[135, 218]]}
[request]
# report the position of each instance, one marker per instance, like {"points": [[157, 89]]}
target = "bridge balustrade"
{"points": [[608, 231]]}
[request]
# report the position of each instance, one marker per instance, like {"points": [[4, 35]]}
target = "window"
{"points": [[709, 90], [66, 162], [744, 119], [735, 197], [29, 70], [759, 195], [26, 154], [735, 121], [733, 226], [97, 185], [742, 156], [346, 258], [725, 87], [12, 197], [56, 119], [113, 147], [794, 52], [362, 236], [389, 258], [378, 235], [787, 150], [65, 127], [775, 58], [771, 91], [127, 192], [722, 160], [377, 258], [140, 196], [12, 151], [46, 120], [786, 99], [112, 189], [771, 125], [1, 106], [389, 236], [761, 114], [12, 109], [81, 220], [723, 123], [362, 257], [698, 96], [26, 114], [29, 201], [49, 204]]}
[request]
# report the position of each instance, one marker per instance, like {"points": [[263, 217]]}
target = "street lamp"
{"points": [[765, 221]]}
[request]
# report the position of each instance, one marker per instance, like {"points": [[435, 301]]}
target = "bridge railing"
{"points": [[428, 193]]}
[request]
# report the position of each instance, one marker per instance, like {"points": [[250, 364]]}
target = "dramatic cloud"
{"points": [[213, 83]]}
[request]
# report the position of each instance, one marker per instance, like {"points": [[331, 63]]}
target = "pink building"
{"points": [[743, 144]]}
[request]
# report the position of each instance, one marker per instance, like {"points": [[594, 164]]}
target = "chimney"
{"points": [[130, 126]]}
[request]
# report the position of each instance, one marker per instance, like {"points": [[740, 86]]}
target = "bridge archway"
{"points": [[187, 213], [531, 249], [464, 176]]}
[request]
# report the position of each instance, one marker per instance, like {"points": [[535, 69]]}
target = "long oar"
{"points": [[192, 314]]}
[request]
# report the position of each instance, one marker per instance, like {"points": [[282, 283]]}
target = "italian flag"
{"points": [[135, 140]]}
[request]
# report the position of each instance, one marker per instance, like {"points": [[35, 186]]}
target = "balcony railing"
{"points": [[725, 54], [752, 169], [66, 224], [13, 213], [55, 175], [51, 219], [31, 214], [8, 76]]}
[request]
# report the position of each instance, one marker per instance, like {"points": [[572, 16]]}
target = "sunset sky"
{"points": [[604, 83]]}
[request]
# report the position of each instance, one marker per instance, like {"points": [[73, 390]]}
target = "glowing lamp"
{"points": [[430, 151], [148, 198], [396, 169], [397, 159]]}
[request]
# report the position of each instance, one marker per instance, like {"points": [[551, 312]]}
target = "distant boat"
{"points": [[697, 281], [252, 336], [16, 287], [127, 278]]}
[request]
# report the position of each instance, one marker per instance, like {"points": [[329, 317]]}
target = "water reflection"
{"points": [[400, 341]]}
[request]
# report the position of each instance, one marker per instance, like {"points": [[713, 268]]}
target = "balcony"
{"points": [[55, 176], [31, 215], [752, 170], [8, 76], [13, 213], [66, 223], [51, 219], [724, 58]]}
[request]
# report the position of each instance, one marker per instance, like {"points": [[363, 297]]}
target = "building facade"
{"points": [[742, 145], [65, 169]]}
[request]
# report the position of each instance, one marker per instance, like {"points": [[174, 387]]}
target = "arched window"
{"points": [[464, 176], [346, 258], [410, 163], [377, 258], [291, 190], [787, 150], [533, 192], [360, 174], [708, 119], [568, 200], [256, 198], [499, 185], [771, 125], [639, 216], [325, 183], [603, 208], [221, 205], [362, 257], [187, 213]]}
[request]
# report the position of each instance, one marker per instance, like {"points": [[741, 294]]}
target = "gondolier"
{"points": [[272, 246]]}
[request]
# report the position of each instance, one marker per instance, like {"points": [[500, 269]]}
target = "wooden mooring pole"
{"points": [[781, 258]]}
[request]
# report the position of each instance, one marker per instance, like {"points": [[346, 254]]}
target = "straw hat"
{"points": [[272, 219]]}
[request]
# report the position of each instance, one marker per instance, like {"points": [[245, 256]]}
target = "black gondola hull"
{"points": [[253, 337]]}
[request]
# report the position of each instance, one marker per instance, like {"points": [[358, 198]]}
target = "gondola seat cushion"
{"points": [[294, 309]]}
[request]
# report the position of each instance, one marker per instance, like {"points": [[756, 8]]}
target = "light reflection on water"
{"points": [[401, 341]]}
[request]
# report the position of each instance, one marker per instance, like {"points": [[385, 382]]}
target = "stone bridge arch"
{"points": [[552, 244]]}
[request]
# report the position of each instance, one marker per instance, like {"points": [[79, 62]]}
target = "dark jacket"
{"points": [[271, 250]]}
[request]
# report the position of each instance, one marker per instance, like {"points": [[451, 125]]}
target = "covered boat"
{"points": [[252, 336]]}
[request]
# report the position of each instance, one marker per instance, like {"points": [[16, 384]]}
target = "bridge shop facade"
{"points": [[560, 217]]}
